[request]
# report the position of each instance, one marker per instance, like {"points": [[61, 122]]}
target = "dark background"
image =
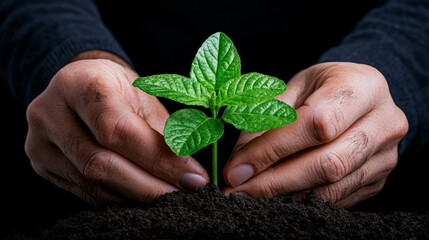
{"points": [[161, 39]]}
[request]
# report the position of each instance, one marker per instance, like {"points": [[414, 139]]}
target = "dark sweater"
{"points": [[279, 38]]}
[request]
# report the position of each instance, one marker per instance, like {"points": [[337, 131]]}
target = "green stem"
{"points": [[214, 162], [215, 110]]}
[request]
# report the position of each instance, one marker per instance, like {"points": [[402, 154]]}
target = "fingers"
{"points": [[362, 183], [316, 124], [121, 124], [128, 134], [362, 194], [104, 166], [50, 163], [325, 164], [359, 185], [90, 171], [94, 195], [336, 171]]}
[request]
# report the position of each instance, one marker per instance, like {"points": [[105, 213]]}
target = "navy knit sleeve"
{"points": [[38, 37], [394, 39]]}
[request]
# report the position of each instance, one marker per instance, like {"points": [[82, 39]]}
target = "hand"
{"points": [[343, 145], [94, 134]]}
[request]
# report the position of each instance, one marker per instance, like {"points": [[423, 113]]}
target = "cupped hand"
{"points": [[343, 145], [92, 133]]}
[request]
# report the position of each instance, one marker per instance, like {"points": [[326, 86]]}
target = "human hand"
{"points": [[93, 134], [343, 145]]}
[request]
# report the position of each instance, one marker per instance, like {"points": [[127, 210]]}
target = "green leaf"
{"points": [[175, 87], [272, 113], [216, 62], [188, 130], [249, 89]]}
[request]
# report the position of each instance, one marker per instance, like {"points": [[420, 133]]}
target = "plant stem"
{"points": [[214, 163], [215, 110]]}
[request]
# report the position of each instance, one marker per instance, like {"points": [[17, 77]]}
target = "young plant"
{"points": [[216, 81]]}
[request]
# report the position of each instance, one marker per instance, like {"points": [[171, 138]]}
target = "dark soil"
{"points": [[32, 208], [207, 214]]}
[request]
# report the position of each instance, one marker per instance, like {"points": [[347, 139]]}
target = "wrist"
{"points": [[99, 54]]}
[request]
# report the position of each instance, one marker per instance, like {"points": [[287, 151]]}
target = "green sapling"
{"points": [[216, 81]]}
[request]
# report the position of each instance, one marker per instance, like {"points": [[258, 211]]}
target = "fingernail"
{"points": [[192, 181], [240, 174]]}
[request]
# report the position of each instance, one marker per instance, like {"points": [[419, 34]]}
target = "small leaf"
{"points": [[272, 113], [188, 130], [175, 87], [216, 62], [249, 89]]}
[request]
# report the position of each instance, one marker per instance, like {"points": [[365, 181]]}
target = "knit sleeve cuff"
{"points": [[61, 54]]}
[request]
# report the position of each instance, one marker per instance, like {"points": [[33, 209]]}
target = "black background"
{"points": [[162, 39]]}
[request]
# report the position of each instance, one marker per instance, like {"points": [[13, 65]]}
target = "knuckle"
{"points": [[168, 169], [358, 143], [271, 154], [269, 186], [39, 169], [390, 163], [379, 83], [30, 149], [103, 126], [373, 77], [374, 188], [64, 72], [156, 165], [397, 126], [326, 124], [400, 125], [97, 166], [362, 175], [332, 167], [35, 117], [329, 193], [379, 186], [110, 129]]}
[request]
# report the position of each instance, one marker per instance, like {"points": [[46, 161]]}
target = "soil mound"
{"points": [[207, 214]]}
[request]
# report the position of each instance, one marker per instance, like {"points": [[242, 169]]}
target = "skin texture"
{"points": [[92, 133], [343, 145]]}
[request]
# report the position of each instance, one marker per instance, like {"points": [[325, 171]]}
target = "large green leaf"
{"points": [[188, 130], [216, 62], [261, 116], [175, 87], [249, 89]]}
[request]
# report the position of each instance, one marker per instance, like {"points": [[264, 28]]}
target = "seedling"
{"points": [[215, 82]]}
